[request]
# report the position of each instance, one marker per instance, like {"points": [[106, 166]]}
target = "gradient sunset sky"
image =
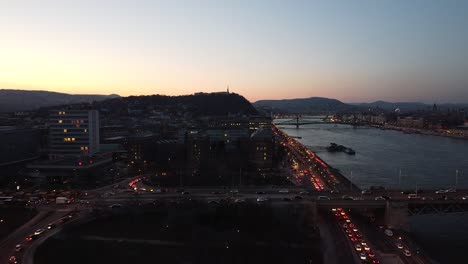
{"points": [[355, 51]]}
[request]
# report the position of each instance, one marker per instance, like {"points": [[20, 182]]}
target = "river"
{"points": [[425, 162]]}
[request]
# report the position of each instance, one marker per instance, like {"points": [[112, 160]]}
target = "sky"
{"points": [[354, 51]]}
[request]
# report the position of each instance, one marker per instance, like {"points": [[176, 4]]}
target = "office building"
{"points": [[73, 133]]}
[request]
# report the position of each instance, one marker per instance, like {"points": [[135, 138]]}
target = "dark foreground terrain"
{"points": [[189, 233]]}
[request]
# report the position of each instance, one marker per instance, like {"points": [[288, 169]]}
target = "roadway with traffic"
{"points": [[317, 183]]}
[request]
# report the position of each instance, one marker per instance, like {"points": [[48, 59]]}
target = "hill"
{"points": [[408, 106], [194, 105], [312, 105], [23, 100]]}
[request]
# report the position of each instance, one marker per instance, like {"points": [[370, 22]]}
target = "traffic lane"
{"points": [[19, 237], [385, 243], [343, 252], [28, 254]]}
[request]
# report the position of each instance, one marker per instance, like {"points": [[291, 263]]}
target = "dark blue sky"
{"points": [[350, 50]]}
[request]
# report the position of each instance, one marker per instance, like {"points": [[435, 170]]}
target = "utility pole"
{"points": [[456, 179], [351, 181]]}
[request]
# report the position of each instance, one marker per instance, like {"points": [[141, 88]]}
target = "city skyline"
{"points": [[355, 52]]}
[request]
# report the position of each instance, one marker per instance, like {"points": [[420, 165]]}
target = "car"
{"points": [[358, 247], [283, 191], [451, 191], [441, 191], [371, 254], [287, 199], [334, 191], [39, 231], [407, 253], [13, 259], [363, 242], [18, 248], [354, 229], [388, 232], [379, 198], [323, 198], [185, 193], [114, 206], [66, 219], [216, 192], [239, 201], [359, 235], [353, 239], [366, 248], [347, 197], [260, 192], [465, 198], [304, 193], [362, 256], [399, 246], [375, 261], [50, 226], [297, 197], [262, 199], [350, 235], [366, 192], [234, 191], [31, 237]]}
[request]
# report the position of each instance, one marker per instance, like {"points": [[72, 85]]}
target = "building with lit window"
{"points": [[262, 144], [73, 133]]}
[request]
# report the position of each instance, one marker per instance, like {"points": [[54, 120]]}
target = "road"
{"points": [[109, 195]]}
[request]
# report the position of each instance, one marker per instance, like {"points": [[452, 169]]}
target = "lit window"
{"points": [[264, 158], [86, 130], [86, 148], [65, 131], [72, 139], [60, 121]]}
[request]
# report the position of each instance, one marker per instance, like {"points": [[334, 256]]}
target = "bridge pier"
{"points": [[396, 215]]}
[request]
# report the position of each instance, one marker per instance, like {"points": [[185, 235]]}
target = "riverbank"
{"points": [[457, 134], [311, 161]]}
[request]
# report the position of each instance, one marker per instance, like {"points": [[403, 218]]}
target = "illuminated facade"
{"points": [[73, 133]]}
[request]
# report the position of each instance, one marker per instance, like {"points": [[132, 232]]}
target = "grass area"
{"points": [[206, 234]]}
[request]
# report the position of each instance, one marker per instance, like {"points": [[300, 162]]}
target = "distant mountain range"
{"points": [[22, 100], [312, 105], [315, 105], [197, 104], [408, 106], [303, 105]]}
